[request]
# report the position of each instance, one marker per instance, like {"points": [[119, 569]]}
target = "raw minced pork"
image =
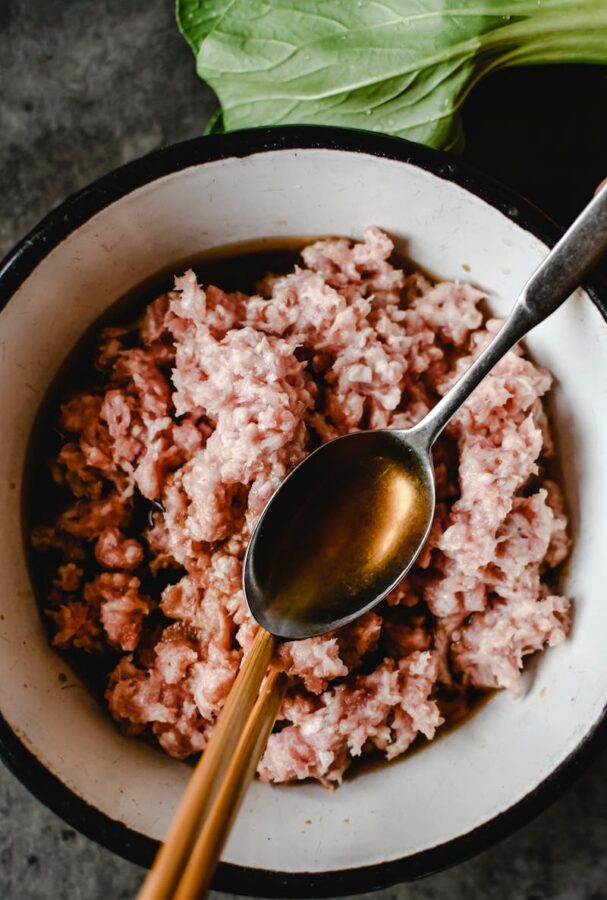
{"points": [[206, 402]]}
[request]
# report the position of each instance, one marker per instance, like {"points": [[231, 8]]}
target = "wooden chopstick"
{"points": [[162, 879], [203, 861]]}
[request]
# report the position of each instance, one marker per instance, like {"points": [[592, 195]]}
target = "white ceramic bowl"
{"points": [[471, 786]]}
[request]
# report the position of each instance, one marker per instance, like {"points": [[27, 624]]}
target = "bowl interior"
{"points": [[468, 776]]}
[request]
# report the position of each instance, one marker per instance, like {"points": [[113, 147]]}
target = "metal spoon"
{"points": [[336, 537], [347, 524]]}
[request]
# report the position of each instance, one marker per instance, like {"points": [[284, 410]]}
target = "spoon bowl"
{"points": [[340, 533]]}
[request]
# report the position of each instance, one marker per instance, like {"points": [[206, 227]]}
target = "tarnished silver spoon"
{"points": [[337, 536]]}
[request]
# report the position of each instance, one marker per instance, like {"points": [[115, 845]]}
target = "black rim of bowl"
{"points": [[14, 270]]}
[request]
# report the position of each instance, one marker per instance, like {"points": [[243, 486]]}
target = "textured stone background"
{"points": [[86, 85]]}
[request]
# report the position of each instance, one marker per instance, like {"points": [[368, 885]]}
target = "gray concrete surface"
{"points": [[88, 84]]}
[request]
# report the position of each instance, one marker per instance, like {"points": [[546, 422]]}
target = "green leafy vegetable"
{"points": [[398, 66], [197, 18]]}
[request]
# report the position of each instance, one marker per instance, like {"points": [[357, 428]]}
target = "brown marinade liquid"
{"points": [[348, 538]]}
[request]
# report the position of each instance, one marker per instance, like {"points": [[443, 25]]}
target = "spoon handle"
{"points": [[574, 256], [162, 880]]}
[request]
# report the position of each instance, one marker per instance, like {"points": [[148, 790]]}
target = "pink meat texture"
{"points": [[203, 406]]}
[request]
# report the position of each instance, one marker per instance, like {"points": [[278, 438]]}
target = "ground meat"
{"points": [[206, 402], [69, 578], [315, 660], [122, 608], [385, 710], [77, 625], [115, 551], [491, 647]]}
